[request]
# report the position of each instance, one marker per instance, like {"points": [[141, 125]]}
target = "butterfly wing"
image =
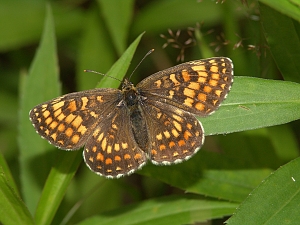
{"points": [[67, 121], [176, 135], [111, 150], [198, 86]]}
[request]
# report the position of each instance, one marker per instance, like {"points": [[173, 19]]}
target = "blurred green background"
{"points": [[262, 39]]}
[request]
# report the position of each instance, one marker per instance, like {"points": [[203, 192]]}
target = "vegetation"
{"points": [[248, 174]]}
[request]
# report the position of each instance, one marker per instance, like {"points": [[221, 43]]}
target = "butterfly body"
{"points": [[122, 129]]}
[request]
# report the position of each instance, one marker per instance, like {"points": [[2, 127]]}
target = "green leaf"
{"points": [[275, 201], [160, 15], [212, 174], [12, 208], [95, 52], [26, 19], [286, 7], [254, 103], [119, 69], [41, 84], [167, 210], [56, 185], [283, 40], [117, 16]]}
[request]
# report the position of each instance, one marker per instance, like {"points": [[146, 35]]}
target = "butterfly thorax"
{"points": [[133, 101]]}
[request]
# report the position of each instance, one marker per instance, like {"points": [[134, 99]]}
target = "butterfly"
{"points": [[155, 120]]}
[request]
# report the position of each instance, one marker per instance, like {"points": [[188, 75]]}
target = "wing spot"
{"points": [[177, 125], [176, 117], [108, 161], [174, 80], [72, 106], [159, 136], [171, 94], [48, 120], [69, 132], [194, 86], [57, 112], [61, 117], [202, 76], [91, 159], [61, 127], [100, 98], [124, 145], [167, 134], [189, 126], [158, 115], [114, 126], [100, 157], [189, 92], [47, 132], [119, 168], [153, 152], [118, 158], [103, 144], [75, 139], [185, 75], [70, 118], [215, 76], [100, 137], [77, 122], [82, 129], [162, 147], [175, 133], [109, 148], [158, 83], [181, 143], [46, 114], [215, 102], [202, 97], [137, 156], [171, 144], [214, 69], [189, 102], [175, 154], [85, 101], [58, 105], [54, 136], [187, 135], [94, 149], [218, 93], [93, 114], [53, 124], [127, 156], [117, 147], [200, 106], [207, 89], [213, 83], [199, 68]]}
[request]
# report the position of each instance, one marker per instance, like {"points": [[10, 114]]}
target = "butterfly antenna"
{"points": [[93, 71], [148, 53]]}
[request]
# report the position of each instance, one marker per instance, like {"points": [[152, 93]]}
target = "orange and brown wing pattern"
{"points": [[67, 121], [111, 150], [198, 86], [176, 135]]}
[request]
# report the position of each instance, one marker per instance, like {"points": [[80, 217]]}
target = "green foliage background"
{"points": [[249, 175]]}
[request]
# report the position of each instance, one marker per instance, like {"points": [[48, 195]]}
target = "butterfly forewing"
{"points": [[198, 87], [69, 120]]}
